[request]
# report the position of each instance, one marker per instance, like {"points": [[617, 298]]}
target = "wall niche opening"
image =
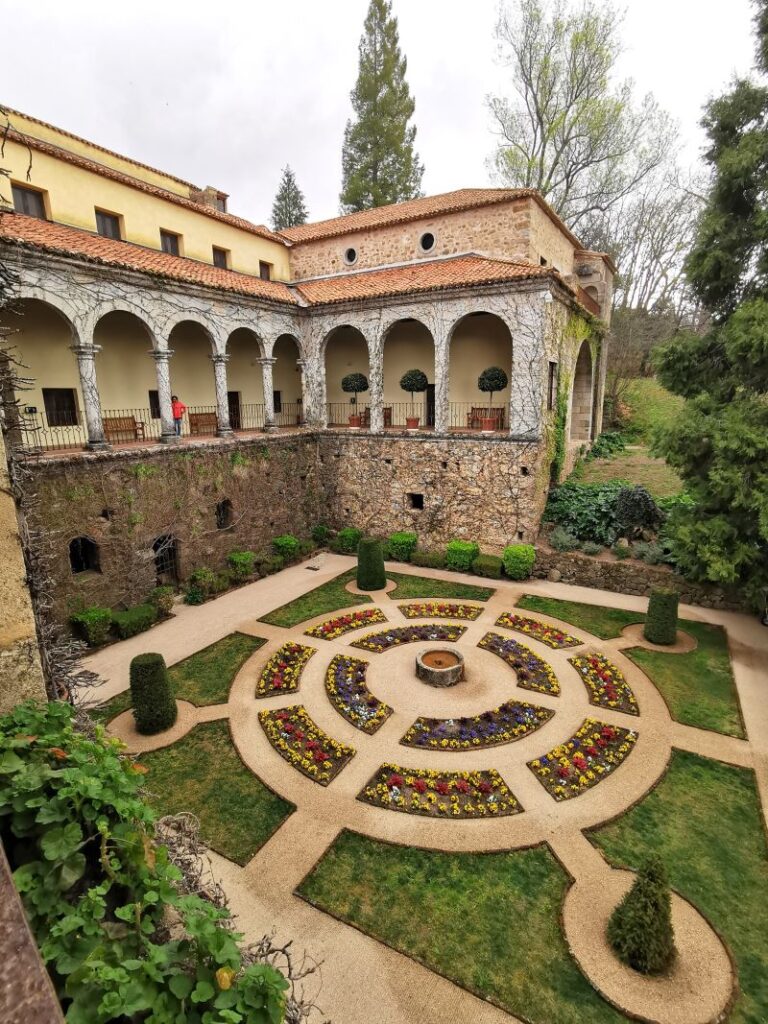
{"points": [[415, 501]]}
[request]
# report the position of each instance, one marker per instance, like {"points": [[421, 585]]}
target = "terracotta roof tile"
{"points": [[455, 272], [67, 241]]}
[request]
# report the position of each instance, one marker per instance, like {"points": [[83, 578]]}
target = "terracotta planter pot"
{"points": [[412, 422], [488, 424], [355, 421]]}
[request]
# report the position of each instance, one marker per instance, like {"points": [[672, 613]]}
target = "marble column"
{"points": [[86, 367], [303, 413], [220, 360], [266, 363], [163, 374], [376, 384], [442, 384]]}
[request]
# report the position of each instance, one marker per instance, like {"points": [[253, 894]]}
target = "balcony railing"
{"points": [[38, 433], [338, 413], [463, 416]]}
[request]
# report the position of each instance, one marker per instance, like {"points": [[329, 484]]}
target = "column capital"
{"points": [[266, 360], [81, 349], [161, 355], [220, 358], [301, 363]]}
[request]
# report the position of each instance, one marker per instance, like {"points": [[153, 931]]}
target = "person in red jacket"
{"points": [[178, 408]]}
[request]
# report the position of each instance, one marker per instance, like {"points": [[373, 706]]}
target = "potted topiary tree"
{"points": [[491, 379], [413, 381], [354, 384]]}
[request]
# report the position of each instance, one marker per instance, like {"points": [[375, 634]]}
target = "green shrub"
{"points": [[271, 564], [162, 598], [402, 545], [134, 620], [561, 540], [649, 552], [640, 928], [519, 560], [460, 554], [287, 547], [307, 547], [621, 551], [241, 564], [93, 625], [428, 559], [224, 580], [370, 565], [200, 586], [661, 620], [82, 906], [320, 534], [590, 548], [346, 540], [587, 511], [153, 705], [488, 565], [636, 510], [607, 445]]}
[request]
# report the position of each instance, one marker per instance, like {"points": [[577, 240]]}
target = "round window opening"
{"points": [[427, 241], [350, 256]]}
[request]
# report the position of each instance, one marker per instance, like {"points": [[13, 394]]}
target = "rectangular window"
{"points": [[60, 407], [552, 386], [29, 201], [277, 398], [265, 271], [221, 204], [169, 242], [220, 257], [108, 224], [154, 405]]}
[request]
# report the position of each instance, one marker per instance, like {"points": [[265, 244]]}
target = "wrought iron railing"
{"points": [[125, 426], [39, 433], [471, 416], [340, 412]]}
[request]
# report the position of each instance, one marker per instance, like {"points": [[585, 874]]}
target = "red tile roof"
{"points": [[57, 238]]}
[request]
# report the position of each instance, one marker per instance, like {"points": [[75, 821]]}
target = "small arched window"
{"points": [[224, 514], [84, 555]]}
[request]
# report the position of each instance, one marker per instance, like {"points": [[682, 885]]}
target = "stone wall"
{"points": [[628, 577]]}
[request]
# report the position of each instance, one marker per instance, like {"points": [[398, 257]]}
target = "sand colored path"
{"points": [[397, 989]]}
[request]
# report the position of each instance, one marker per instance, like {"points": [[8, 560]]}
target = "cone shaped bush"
{"points": [[661, 620], [370, 565], [640, 928], [154, 707]]}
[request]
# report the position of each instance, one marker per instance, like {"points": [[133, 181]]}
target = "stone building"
{"points": [[132, 285]]}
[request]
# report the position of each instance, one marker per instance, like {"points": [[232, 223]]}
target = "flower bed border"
{"points": [[340, 756], [517, 623], [519, 652], [263, 689], [383, 711], [617, 748], [371, 617], [441, 610], [404, 636], [424, 776], [455, 745], [626, 701]]}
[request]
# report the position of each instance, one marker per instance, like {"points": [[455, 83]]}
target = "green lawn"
{"points": [[425, 586], [603, 622], [634, 466], [650, 405], [203, 773], [489, 922], [698, 687], [328, 597], [704, 820]]}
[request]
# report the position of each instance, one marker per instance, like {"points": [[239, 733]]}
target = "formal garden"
{"points": [[533, 790]]}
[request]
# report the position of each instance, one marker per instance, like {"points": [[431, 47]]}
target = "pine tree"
{"points": [[719, 442], [640, 928], [289, 207], [379, 165]]}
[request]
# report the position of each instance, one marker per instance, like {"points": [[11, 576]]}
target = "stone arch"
{"points": [[478, 340], [287, 380], [344, 350], [65, 308], [193, 343], [408, 344], [581, 395], [245, 347], [133, 309]]}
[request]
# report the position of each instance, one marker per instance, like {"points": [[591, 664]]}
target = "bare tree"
{"points": [[568, 130]]}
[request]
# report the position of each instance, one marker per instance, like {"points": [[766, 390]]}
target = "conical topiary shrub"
{"points": [[370, 565], [154, 707], [661, 620], [640, 928]]}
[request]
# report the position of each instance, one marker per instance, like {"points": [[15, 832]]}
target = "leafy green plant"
{"points": [[561, 540], [321, 534], [241, 564], [346, 540], [287, 547], [134, 620], [621, 551], [93, 625], [402, 545], [661, 620], [640, 928], [414, 381], [607, 445], [491, 380], [162, 598], [154, 707], [460, 554], [590, 548], [489, 566], [200, 585], [370, 565], [429, 559], [588, 511], [649, 552], [354, 383], [519, 560], [98, 891], [636, 511], [268, 565]]}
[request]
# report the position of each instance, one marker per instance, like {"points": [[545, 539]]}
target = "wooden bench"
{"points": [[119, 429], [203, 423], [477, 415]]}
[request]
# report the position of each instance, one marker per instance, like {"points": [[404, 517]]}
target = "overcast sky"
{"points": [[226, 93]]}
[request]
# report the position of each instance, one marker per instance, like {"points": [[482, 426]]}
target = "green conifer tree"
{"points": [[719, 442], [379, 165], [289, 207]]}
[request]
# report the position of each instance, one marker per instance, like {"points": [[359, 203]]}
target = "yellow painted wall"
{"points": [[408, 346], [243, 372], [478, 342], [73, 194], [191, 366], [346, 352], [285, 373], [125, 369]]}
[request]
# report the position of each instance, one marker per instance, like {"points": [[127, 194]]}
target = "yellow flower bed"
{"points": [[479, 794], [303, 744], [581, 762], [282, 673], [606, 684], [341, 624], [552, 636], [439, 610]]}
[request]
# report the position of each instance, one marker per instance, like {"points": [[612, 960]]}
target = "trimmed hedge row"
{"points": [[516, 562], [97, 626], [204, 583]]}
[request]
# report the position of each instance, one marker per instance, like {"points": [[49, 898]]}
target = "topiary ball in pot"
{"points": [[154, 707], [640, 928], [370, 565], [661, 620]]}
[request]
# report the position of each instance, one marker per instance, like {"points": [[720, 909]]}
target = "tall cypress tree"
{"points": [[379, 165], [719, 443], [289, 207]]}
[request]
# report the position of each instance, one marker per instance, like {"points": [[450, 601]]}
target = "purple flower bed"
{"points": [[509, 722], [347, 691], [376, 643], [533, 673]]}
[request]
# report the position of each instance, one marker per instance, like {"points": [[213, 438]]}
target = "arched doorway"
{"points": [[130, 405], [346, 352], [581, 401], [192, 378], [408, 345], [287, 382], [479, 341]]}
